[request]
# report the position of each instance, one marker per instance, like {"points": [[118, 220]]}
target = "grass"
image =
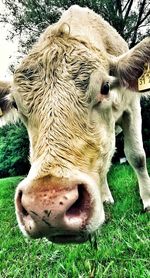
{"points": [[121, 248]]}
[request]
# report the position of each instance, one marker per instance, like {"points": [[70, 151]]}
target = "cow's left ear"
{"points": [[130, 66], [8, 108]]}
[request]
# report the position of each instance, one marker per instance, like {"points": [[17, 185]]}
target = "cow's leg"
{"points": [[135, 154], [106, 194]]}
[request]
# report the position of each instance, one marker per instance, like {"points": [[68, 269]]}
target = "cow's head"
{"points": [[65, 96]]}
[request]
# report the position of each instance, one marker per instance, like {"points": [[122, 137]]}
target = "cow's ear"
{"points": [[8, 108], [130, 66]]}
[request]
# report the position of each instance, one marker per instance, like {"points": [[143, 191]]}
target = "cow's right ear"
{"points": [[8, 108]]}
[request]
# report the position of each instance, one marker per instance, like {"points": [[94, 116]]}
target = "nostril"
{"points": [[82, 204], [21, 208], [26, 221]]}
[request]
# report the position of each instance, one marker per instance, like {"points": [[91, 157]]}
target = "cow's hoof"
{"points": [[147, 209], [108, 200]]}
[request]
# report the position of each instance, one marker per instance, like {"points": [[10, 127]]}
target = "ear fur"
{"points": [[130, 66], [4, 92], [7, 111]]}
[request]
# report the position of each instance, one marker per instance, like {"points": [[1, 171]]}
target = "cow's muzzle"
{"points": [[59, 210]]}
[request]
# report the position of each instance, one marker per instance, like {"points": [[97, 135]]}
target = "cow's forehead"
{"points": [[56, 67]]}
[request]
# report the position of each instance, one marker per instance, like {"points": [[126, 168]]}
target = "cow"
{"points": [[75, 87]]}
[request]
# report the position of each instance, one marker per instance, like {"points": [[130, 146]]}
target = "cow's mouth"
{"points": [[81, 238]]}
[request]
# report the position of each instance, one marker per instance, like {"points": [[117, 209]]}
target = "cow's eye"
{"points": [[105, 88]]}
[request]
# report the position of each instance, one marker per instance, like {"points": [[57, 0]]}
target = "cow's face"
{"points": [[62, 91], [59, 91]]}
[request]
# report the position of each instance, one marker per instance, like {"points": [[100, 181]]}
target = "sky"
{"points": [[8, 49]]}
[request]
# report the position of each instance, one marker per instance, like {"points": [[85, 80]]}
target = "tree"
{"points": [[29, 18], [14, 150]]}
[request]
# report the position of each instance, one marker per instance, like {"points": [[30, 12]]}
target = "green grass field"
{"points": [[120, 249]]}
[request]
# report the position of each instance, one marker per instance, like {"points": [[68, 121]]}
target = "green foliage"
{"points": [[120, 250], [14, 149], [29, 18]]}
